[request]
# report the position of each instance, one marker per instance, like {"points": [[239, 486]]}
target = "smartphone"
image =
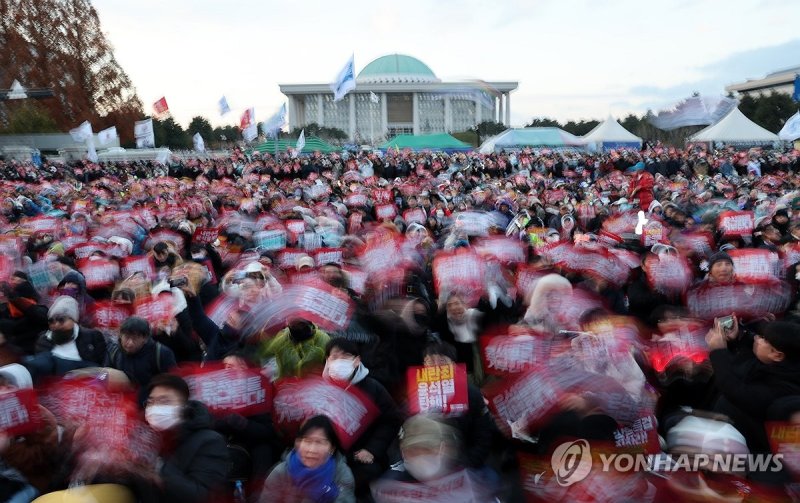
{"points": [[726, 323]]}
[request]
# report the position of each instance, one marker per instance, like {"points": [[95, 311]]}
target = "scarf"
{"points": [[318, 483]]}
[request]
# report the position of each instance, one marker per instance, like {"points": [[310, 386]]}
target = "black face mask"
{"points": [[61, 336]]}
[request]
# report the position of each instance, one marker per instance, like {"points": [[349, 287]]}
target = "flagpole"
{"points": [[371, 130]]}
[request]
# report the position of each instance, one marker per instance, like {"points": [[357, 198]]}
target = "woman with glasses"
{"points": [[314, 471]]}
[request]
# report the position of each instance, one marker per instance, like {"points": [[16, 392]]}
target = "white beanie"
{"points": [[64, 306]]}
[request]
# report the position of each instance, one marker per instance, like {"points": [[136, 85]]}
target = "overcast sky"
{"points": [[573, 59]]}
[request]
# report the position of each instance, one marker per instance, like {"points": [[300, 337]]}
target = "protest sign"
{"points": [[228, 391], [438, 389]]}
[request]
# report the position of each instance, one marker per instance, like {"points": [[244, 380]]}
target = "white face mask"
{"points": [[425, 467], [163, 417], [341, 369]]}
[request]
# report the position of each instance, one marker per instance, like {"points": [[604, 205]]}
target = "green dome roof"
{"points": [[396, 68]]}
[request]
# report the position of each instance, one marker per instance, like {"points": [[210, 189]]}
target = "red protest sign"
{"points": [[205, 235], [736, 223], [327, 256], [385, 211], [356, 279], [225, 391], [157, 309], [296, 228], [511, 354], [414, 215], [641, 436], [6, 268], [791, 254], [654, 232], [751, 299], [143, 264], [354, 223], [107, 314], [382, 196], [99, 272], [356, 200], [622, 223], [700, 243], [327, 307], [784, 438], [380, 255], [461, 270], [506, 250], [85, 250], [527, 400], [287, 259], [47, 225], [668, 274], [755, 264], [19, 412], [350, 411], [440, 389], [166, 236]]}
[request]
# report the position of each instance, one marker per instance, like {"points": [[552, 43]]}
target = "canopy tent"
{"points": [[439, 141], [734, 128], [313, 144], [611, 135], [531, 137]]}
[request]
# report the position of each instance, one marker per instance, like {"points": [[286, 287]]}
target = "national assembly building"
{"points": [[408, 99]]}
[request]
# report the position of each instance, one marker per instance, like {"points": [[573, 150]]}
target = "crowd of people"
{"points": [[399, 326]]}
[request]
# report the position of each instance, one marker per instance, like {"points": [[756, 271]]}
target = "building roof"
{"points": [[396, 68], [735, 128]]}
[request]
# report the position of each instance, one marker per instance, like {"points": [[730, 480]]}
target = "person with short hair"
{"points": [[297, 350], [314, 470], [137, 354]]}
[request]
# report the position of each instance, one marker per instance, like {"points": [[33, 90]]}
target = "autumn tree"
{"points": [[59, 44]]}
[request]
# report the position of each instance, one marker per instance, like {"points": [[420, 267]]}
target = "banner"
{"points": [[228, 391], [350, 411], [438, 389], [736, 223], [143, 131], [19, 412], [106, 136]]}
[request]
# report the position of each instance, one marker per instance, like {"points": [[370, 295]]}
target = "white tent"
{"points": [[610, 134], [734, 128]]}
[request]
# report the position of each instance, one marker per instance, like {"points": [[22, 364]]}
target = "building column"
{"points": [[384, 116], [508, 109], [448, 115], [320, 111], [415, 109], [478, 112], [352, 99], [501, 115], [290, 113]]}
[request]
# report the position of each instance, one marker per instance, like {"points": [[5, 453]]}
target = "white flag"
{"points": [[791, 130], [17, 91], [345, 81], [223, 106], [106, 136], [92, 152], [198, 143], [373, 97], [81, 133], [274, 123], [143, 131], [301, 142], [250, 132]]}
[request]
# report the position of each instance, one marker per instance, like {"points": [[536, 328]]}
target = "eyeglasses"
{"points": [[57, 319]]}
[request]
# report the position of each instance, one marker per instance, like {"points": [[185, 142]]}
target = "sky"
{"points": [[573, 59]]}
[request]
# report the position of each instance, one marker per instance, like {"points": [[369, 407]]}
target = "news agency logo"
{"points": [[571, 462]]}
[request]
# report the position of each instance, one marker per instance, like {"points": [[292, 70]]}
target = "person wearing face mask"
{"points": [[297, 350], [431, 467], [194, 459], [66, 345], [73, 284], [22, 317], [314, 471], [368, 455]]}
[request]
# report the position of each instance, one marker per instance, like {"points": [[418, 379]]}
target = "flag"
{"points": [[223, 106], [143, 131], [250, 132], [274, 123], [198, 143], [791, 130], [248, 119], [345, 81], [81, 133], [106, 136], [160, 107], [301, 142], [796, 93], [373, 97], [91, 154]]}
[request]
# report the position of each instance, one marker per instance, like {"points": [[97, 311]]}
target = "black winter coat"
{"points": [[91, 345]]}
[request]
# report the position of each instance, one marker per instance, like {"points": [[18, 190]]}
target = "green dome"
{"points": [[396, 68]]}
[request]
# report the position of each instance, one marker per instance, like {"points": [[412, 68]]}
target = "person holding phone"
{"points": [[751, 371]]}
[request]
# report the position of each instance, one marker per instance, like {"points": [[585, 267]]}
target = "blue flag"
{"points": [[345, 81], [223, 106], [796, 94]]}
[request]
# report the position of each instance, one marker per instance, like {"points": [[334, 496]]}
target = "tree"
{"points": [[580, 128], [772, 110], [170, 134], [202, 126], [30, 117], [543, 122], [223, 137], [59, 44]]}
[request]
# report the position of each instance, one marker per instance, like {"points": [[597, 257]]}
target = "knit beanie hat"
{"points": [[64, 306], [717, 257]]}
